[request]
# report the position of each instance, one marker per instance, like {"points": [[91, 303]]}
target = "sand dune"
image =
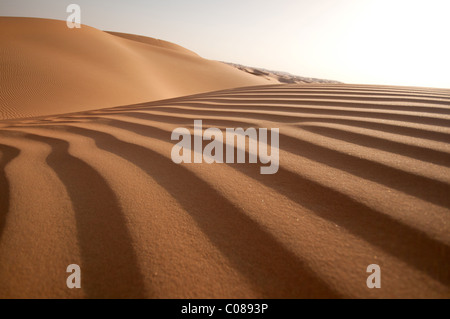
{"points": [[46, 68], [364, 179], [86, 176], [278, 76]]}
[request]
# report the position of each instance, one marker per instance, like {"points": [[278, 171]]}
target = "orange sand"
{"points": [[364, 178], [47, 68]]}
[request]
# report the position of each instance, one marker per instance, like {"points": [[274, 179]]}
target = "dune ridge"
{"points": [[47, 68], [364, 178]]}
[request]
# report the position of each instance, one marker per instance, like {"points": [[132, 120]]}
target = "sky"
{"points": [[392, 42]]}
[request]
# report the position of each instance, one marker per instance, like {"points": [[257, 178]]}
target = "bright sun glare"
{"points": [[400, 42]]}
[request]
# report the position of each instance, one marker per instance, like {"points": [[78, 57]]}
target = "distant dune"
{"points": [[364, 177], [282, 77], [47, 68]]}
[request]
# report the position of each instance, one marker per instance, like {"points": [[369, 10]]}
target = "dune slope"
{"points": [[47, 68], [364, 179]]}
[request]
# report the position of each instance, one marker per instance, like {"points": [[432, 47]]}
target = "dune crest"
{"points": [[47, 68]]}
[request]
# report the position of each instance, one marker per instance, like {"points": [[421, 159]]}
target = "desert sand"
{"points": [[47, 68], [364, 177]]}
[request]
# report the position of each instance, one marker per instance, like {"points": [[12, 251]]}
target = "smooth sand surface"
{"points": [[47, 68], [364, 179]]}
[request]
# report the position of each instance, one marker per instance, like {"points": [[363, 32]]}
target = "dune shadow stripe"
{"points": [[412, 151], [428, 189], [419, 186], [245, 110], [108, 263], [322, 102], [271, 268], [379, 126], [383, 127], [396, 238], [8, 153], [360, 100]]}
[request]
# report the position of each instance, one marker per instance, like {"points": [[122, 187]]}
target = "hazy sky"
{"points": [[402, 42]]}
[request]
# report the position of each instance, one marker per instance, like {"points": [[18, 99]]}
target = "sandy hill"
{"points": [[47, 68], [279, 76], [155, 42]]}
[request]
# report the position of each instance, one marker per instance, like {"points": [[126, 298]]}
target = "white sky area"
{"points": [[395, 42]]}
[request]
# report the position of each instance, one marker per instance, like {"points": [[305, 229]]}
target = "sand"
{"points": [[364, 179], [47, 68]]}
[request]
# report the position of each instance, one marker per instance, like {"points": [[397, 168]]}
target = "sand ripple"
{"points": [[364, 179]]}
